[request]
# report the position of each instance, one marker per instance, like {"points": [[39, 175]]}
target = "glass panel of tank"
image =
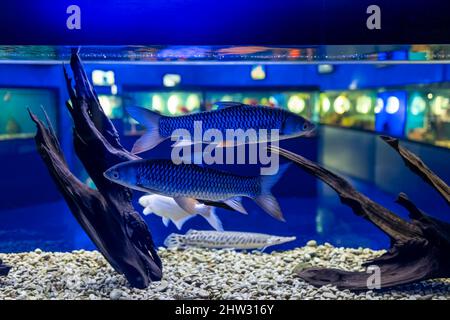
{"points": [[169, 103], [354, 109], [15, 121], [428, 116]]}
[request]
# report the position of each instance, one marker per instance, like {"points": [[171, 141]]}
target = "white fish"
{"points": [[169, 210], [224, 239]]}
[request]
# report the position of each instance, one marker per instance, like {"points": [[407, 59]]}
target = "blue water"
{"points": [[50, 226]]}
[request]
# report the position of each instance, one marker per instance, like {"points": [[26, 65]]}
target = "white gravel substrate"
{"points": [[197, 274]]}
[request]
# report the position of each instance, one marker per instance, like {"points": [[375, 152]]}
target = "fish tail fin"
{"points": [[209, 213], [174, 240], [150, 120], [266, 200]]}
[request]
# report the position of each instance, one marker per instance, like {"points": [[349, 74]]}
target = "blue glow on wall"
{"points": [[392, 116]]}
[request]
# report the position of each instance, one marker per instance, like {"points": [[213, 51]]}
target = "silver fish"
{"points": [[169, 210], [224, 239]]}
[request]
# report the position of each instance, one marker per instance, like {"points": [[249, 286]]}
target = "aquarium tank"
{"points": [[239, 150]]}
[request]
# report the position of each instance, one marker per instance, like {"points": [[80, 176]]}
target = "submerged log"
{"points": [[4, 269], [105, 213], [420, 248]]}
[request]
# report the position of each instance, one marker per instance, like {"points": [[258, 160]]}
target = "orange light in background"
{"points": [[294, 53]]}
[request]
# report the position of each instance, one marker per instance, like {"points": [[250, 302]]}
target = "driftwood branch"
{"points": [[420, 248], [417, 166], [106, 214]]}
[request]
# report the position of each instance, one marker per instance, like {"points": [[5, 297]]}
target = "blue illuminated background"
{"points": [[33, 213]]}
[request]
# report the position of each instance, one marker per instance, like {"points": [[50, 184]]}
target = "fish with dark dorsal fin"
{"points": [[224, 239], [230, 115], [188, 183], [169, 210]]}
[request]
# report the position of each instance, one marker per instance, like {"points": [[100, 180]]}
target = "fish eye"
{"points": [[305, 126], [115, 175]]}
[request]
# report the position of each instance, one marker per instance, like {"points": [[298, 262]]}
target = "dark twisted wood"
{"points": [[420, 248], [417, 166], [106, 214]]}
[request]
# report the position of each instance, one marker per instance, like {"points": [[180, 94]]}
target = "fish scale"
{"points": [[201, 182], [187, 182], [236, 117]]}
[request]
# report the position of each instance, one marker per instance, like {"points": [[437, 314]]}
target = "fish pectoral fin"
{"points": [[147, 211], [210, 215], [180, 222], [187, 204], [165, 221], [270, 205], [236, 204]]}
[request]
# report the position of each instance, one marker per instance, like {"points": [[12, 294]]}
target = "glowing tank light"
{"points": [[7, 96], [439, 105], [353, 85], [192, 102], [392, 105], [247, 101], [326, 104], [171, 80], [296, 104], [157, 103], [258, 72], [273, 101], [103, 78], [379, 105], [418, 105], [363, 104], [173, 104], [114, 89], [325, 68], [227, 98], [430, 96], [341, 104], [106, 105]]}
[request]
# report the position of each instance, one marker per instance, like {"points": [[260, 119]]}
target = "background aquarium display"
{"points": [[428, 116], [402, 91], [15, 122], [352, 109]]}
